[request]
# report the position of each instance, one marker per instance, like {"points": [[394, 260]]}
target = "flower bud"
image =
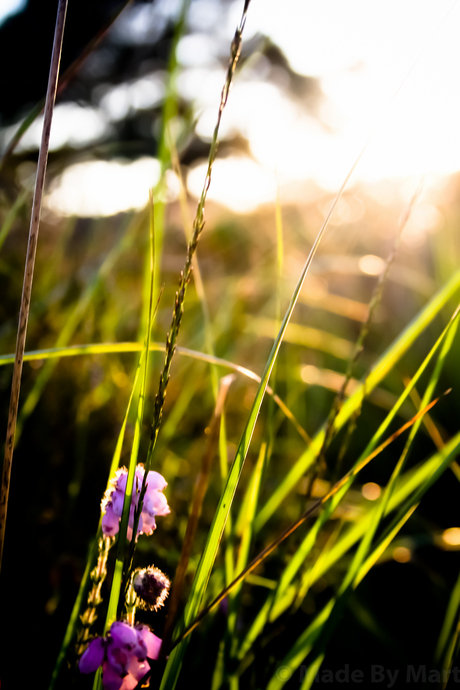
{"points": [[151, 586]]}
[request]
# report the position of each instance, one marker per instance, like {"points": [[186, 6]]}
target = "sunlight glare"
{"points": [[73, 125], [361, 52], [140, 94], [100, 188], [238, 182]]}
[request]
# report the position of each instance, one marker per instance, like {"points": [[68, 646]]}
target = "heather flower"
{"points": [[122, 654], [155, 502], [151, 586]]}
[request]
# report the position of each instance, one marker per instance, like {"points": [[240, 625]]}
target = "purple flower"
{"points": [[155, 502], [122, 654]]}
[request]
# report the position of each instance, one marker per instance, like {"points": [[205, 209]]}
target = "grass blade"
{"points": [[310, 510], [281, 602], [199, 493], [304, 645], [113, 348], [122, 537], [376, 375]]}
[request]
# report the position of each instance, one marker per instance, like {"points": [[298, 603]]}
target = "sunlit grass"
{"points": [[360, 502]]}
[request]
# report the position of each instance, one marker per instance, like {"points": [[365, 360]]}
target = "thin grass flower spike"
{"points": [[98, 575]]}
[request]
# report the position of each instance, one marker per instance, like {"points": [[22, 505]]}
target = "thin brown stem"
{"points": [[29, 269]]}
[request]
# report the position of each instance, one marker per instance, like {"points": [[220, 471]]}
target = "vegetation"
{"points": [[312, 535]]}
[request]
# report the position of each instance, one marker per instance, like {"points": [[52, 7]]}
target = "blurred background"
{"points": [[315, 80]]}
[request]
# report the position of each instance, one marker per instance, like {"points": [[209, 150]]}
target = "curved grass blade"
{"points": [[116, 348]]}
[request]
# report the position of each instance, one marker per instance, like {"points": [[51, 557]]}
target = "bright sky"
{"points": [[9, 7], [360, 51]]}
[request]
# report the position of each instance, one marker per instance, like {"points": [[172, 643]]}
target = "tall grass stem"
{"points": [[30, 263]]}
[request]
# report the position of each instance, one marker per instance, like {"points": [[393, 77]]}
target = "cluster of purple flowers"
{"points": [[155, 502], [122, 654]]}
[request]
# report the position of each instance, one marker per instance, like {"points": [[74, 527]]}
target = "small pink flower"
{"points": [[155, 502], [122, 654]]}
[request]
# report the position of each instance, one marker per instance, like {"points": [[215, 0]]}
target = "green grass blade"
{"points": [[297, 560], [407, 484], [289, 530], [122, 536], [310, 539], [304, 645], [169, 112], [378, 372], [116, 348], [448, 632], [245, 527], [74, 618], [221, 515], [448, 637], [316, 663], [256, 627]]}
